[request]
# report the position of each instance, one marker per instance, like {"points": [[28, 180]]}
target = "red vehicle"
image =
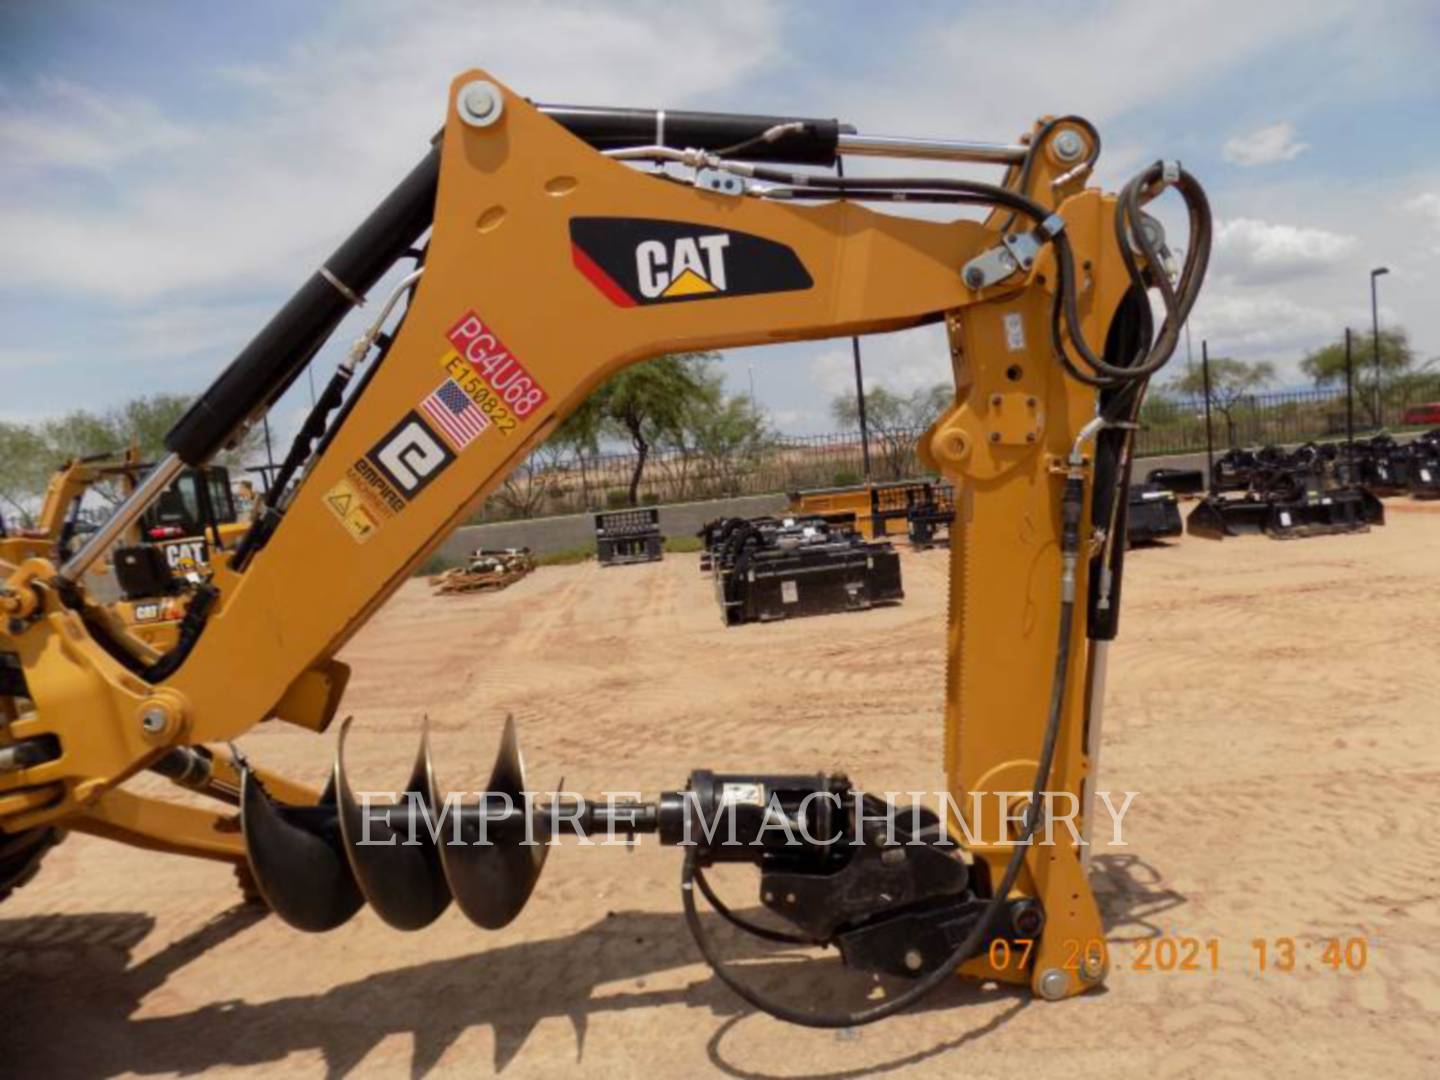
{"points": [[1429, 413]]}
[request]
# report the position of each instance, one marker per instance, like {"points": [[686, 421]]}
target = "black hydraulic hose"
{"points": [[780, 937], [1066, 308], [1027, 167], [1073, 512]]}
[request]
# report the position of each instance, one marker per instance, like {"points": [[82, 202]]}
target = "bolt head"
{"points": [[153, 720], [913, 959], [1054, 985], [974, 277], [1068, 145]]}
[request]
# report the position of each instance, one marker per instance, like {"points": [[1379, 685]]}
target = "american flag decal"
{"points": [[455, 414]]}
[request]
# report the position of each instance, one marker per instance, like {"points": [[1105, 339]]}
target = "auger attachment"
{"points": [[884, 885], [316, 866]]}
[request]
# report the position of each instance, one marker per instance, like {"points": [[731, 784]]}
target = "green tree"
{"points": [[1231, 381], [650, 401], [24, 466], [29, 453], [1326, 365], [894, 420], [727, 435]]}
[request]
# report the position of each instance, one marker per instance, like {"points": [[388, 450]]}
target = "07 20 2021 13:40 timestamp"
{"points": [[1170, 953]]}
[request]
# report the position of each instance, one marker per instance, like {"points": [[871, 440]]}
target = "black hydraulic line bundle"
{"points": [[770, 568]]}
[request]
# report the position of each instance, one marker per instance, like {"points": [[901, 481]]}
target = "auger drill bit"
{"points": [[885, 886]]}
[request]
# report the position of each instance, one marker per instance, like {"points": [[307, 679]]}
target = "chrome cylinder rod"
{"points": [[930, 149], [125, 515], [1095, 713]]}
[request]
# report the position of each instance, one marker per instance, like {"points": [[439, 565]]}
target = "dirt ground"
{"points": [[1274, 704]]}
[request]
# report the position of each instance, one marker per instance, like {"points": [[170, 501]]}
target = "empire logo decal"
{"points": [[397, 468], [411, 455], [641, 261]]}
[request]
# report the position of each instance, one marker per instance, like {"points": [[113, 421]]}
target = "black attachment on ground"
{"points": [[1154, 515], [768, 568], [1285, 494], [1178, 481], [629, 536]]}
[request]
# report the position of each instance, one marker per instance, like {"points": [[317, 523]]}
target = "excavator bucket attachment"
{"points": [[316, 866], [1216, 517], [399, 874], [491, 882], [297, 858], [1338, 511]]}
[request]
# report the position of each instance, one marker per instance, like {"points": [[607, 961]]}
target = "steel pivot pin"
{"points": [[480, 103], [1068, 145]]}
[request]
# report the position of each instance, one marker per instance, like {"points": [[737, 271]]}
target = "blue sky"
{"points": [[169, 172]]}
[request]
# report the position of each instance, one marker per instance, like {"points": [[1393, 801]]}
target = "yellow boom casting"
{"points": [[565, 243]]}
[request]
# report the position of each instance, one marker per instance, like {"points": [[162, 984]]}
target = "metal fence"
{"points": [[551, 483], [1172, 425]]}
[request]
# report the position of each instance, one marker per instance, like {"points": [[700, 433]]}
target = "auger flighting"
{"points": [[885, 884]]}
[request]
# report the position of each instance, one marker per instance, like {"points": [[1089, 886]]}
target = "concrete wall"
{"points": [[546, 536]]}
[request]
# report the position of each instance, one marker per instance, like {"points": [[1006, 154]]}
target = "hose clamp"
{"points": [[344, 290]]}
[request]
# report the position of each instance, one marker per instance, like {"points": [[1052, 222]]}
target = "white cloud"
{"points": [[179, 209], [12, 359], [69, 126], [316, 139], [1265, 146], [1427, 206], [1260, 252], [906, 361], [1261, 324]]}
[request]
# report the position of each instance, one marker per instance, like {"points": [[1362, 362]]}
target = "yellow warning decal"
{"points": [[350, 510]]}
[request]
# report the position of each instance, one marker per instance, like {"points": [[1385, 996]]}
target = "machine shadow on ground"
{"points": [[1131, 893], [79, 967]]}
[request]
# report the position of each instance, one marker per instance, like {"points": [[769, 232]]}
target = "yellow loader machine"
{"points": [[552, 246]]}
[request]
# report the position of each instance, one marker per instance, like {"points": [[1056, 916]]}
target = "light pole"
{"points": [[1375, 338]]}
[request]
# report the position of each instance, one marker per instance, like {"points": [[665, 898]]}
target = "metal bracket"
{"points": [[1015, 252], [719, 181]]}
